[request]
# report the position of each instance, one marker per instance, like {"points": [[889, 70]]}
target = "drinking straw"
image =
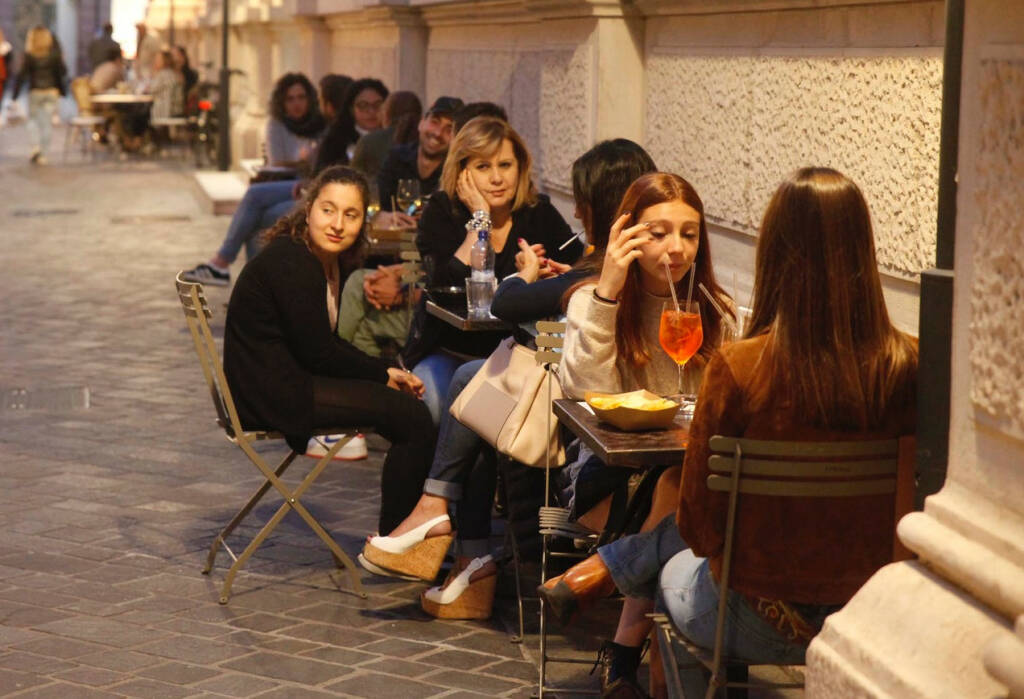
{"points": [[689, 293], [714, 304], [567, 243], [672, 286]]}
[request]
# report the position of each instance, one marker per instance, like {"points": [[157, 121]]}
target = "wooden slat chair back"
{"points": [[553, 519], [197, 316], [821, 470]]}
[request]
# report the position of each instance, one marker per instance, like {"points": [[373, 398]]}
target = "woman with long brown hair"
{"points": [[287, 368], [43, 70]]}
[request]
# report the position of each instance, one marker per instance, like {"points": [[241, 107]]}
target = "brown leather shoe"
{"points": [[577, 589]]}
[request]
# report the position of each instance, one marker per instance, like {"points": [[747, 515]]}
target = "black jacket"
{"points": [[442, 228], [278, 336], [42, 73]]}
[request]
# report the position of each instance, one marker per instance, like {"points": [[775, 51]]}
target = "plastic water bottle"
{"points": [[480, 287]]}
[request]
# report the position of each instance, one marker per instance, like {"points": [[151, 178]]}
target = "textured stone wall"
{"points": [[736, 124], [548, 95], [997, 292], [362, 61]]}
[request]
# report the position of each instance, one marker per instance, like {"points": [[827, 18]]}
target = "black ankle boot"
{"points": [[618, 670]]}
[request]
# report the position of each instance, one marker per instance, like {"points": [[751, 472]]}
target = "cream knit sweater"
{"points": [[590, 360]]}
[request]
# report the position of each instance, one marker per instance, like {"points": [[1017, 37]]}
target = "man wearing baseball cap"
{"points": [[421, 161]]}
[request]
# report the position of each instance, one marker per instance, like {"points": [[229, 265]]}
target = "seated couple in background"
{"points": [[820, 362]]}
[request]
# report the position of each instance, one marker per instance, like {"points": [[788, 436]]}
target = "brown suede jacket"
{"points": [[790, 549]]}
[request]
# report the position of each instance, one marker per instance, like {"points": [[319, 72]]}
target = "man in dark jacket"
{"points": [[102, 47]]}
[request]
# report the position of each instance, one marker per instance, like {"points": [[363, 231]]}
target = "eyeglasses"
{"points": [[364, 106]]}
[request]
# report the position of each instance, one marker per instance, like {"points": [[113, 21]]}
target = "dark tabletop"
{"points": [[457, 318], [618, 448]]}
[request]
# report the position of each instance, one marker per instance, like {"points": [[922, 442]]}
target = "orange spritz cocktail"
{"points": [[680, 334]]}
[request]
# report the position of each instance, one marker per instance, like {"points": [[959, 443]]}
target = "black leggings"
{"points": [[398, 417]]}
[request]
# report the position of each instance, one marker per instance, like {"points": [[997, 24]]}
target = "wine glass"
{"points": [[408, 196], [681, 335]]}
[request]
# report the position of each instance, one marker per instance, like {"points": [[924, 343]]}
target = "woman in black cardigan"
{"points": [[285, 365], [486, 182]]}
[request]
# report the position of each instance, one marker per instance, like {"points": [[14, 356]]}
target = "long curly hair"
{"points": [[281, 87], [295, 224]]}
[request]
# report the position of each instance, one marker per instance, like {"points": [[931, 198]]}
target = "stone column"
{"points": [[940, 626]]}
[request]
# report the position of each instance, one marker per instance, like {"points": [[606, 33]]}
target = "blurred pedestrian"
{"points": [[43, 70]]}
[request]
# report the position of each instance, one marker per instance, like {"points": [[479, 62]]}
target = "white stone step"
{"points": [[221, 191]]}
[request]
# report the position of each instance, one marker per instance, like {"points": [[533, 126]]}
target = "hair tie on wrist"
{"points": [[598, 296]]}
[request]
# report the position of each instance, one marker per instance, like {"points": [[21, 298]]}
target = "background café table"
{"points": [[118, 99]]}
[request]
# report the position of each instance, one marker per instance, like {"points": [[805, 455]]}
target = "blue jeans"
{"points": [[252, 216], [689, 595], [436, 370], [464, 472], [636, 560]]}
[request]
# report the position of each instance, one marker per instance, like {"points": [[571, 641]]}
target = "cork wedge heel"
{"points": [[413, 554], [462, 598]]}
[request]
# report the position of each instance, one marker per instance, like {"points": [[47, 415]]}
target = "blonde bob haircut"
{"points": [[480, 138], [39, 41]]}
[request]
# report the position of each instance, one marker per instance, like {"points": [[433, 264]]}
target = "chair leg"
{"points": [[242, 513], [512, 542]]}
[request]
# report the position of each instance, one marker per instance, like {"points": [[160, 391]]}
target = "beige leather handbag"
{"points": [[507, 403]]}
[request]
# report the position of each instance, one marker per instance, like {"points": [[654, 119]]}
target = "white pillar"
{"points": [[941, 626]]}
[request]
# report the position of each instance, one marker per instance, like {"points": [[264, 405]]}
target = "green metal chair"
{"points": [[821, 470]]}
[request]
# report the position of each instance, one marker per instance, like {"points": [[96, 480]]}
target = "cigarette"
{"points": [[567, 243]]}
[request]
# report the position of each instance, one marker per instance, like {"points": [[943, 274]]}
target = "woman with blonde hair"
{"points": [[44, 71], [486, 185]]}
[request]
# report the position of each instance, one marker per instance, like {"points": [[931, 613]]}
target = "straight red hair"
{"points": [[647, 191]]}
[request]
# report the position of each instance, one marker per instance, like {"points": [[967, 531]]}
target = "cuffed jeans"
{"points": [[464, 472], [635, 561], [41, 106], [259, 209], [689, 595]]}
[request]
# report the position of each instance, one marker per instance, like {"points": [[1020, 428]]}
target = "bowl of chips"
{"points": [[633, 411]]}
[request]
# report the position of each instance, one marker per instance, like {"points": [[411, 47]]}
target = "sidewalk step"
{"points": [[221, 191]]}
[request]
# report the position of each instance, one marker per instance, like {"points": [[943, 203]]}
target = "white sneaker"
{"points": [[353, 451]]}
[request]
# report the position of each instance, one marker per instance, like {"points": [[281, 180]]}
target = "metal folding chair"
{"points": [[197, 315], [821, 470], [553, 519]]}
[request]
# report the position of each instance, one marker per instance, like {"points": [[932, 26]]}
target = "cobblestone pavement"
{"points": [[106, 512]]}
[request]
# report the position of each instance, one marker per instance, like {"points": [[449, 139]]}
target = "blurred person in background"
{"points": [[295, 125], [189, 77], [264, 202], [43, 70], [402, 113], [167, 88], [6, 52], [100, 48], [146, 48], [360, 114]]}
